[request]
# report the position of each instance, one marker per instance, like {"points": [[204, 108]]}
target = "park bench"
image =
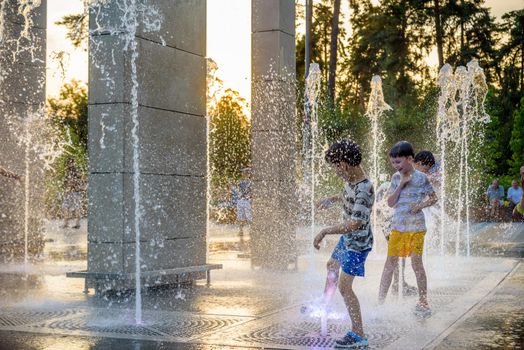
{"points": [[177, 276]]}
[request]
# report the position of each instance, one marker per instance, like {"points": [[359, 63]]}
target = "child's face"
{"points": [[343, 170], [402, 164], [421, 167]]}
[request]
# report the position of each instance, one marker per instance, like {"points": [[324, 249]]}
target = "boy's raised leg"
{"points": [[333, 268], [387, 275]]}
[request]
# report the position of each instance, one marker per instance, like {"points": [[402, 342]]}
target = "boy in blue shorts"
{"points": [[410, 192], [356, 237]]}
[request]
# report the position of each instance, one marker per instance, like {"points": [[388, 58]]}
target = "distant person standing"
{"points": [[243, 202], [514, 195], [72, 204], [495, 194]]}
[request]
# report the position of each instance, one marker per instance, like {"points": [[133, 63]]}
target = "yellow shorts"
{"points": [[520, 210], [405, 243]]}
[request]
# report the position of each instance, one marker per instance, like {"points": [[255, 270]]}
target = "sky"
{"points": [[228, 41]]}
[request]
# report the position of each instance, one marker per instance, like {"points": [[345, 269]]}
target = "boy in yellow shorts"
{"points": [[409, 193]]}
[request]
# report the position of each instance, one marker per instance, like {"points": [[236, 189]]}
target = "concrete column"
{"points": [[22, 93], [273, 133], [171, 97]]}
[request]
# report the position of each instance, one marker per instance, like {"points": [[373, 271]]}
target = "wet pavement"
{"points": [[42, 309]]}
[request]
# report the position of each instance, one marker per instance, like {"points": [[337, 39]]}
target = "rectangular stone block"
{"points": [[105, 257], [182, 22], [172, 207], [107, 136], [168, 78], [274, 155], [172, 253], [27, 49], [169, 142], [183, 25], [271, 15], [106, 208], [36, 16], [273, 56], [24, 84], [171, 79], [275, 106], [108, 69]]}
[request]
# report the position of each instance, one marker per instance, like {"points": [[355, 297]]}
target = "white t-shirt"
{"points": [[415, 191]]}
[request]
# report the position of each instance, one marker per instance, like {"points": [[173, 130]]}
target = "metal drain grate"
{"points": [[20, 318], [283, 334], [458, 290], [83, 324], [187, 327]]}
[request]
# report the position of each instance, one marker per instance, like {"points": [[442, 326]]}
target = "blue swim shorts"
{"points": [[351, 262]]}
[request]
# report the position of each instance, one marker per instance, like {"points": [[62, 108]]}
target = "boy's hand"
{"points": [[404, 180], [318, 238], [415, 208], [324, 203]]}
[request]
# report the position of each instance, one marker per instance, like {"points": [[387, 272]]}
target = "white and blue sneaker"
{"points": [[351, 341], [422, 311]]}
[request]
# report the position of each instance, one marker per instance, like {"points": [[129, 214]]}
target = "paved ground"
{"points": [[477, 303]]}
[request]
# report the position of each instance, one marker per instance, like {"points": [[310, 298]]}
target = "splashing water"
{"points": [[376, 107], [312, 93], [460, 112], [134, 13]]}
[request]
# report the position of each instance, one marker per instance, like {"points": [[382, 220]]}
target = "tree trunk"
{"points": [[308, 44], [438, 28], [462, 14], [333, 54]]}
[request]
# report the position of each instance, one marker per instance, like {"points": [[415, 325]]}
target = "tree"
{"points": [[517, 139], [438, 33], [77, 26], [333, 54], [69, 110], [229, 138]]}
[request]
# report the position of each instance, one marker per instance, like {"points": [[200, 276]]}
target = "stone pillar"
{"points": [[22, 93], [273, 133], [171, 95]]}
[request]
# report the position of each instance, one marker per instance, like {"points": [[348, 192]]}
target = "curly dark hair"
{"points": [[344, 151]]}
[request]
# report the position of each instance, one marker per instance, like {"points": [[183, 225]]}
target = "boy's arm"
{"points": [[430, 200], [393, 198], [7, 173], [343, 227], [328, 202]]}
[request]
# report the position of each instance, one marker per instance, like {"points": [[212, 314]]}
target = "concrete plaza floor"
{"points": [[477, 302]]}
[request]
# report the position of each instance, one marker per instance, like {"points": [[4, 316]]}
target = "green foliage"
{"points": [[229, 139], [77, 26], [69, 112], [517, 140]]}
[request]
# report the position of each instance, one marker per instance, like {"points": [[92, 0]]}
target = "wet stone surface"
{"points": [[246, 307], [498, 323]]}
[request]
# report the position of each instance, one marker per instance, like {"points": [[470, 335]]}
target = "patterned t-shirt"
{"points": [[357, 200], [414, 192]]}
